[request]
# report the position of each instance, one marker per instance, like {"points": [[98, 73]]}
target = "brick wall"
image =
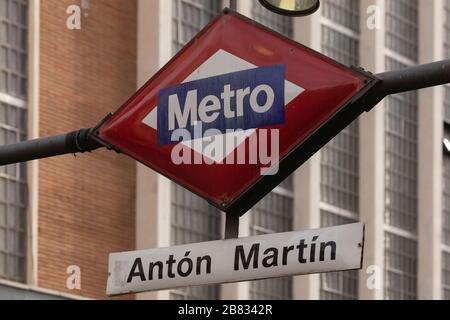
{"points": [[86, 203]]}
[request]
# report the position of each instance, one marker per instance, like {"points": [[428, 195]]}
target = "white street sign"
{"points": [[268, 256]]}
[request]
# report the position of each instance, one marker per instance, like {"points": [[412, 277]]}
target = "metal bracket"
{"points": [[232, 226]]}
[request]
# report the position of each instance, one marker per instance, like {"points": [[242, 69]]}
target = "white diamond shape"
{"points": [[220, 63]]}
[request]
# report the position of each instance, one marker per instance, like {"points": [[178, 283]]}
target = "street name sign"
{"points": [[235, 112], [260, 257]]}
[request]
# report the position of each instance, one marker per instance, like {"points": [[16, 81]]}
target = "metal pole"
{"points": [[414, 78], [231, 226], [409, 79], [72, 142], [233, 5], [392, 82]]}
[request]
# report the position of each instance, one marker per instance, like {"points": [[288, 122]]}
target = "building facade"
{"points": [[389, 169], [61, 215]]}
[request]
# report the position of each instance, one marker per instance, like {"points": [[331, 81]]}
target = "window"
{"points": [[274, 21], [339, 172], [446, 195], [339, 46], [446, 170], [343, 12], [402, 27], [401, 159], [400, 268], [401, 152], [446, 201], [192, 219], [273, 214], [447, 29], [189, 17], [13, 129], [401, 194], [446, 276], [340, 30], [338, 285], [447, 55]]}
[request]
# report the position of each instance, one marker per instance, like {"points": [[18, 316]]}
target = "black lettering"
{"points": [[301, 249], [312, 255], [240, 256], [323, 247], [190, 266], [137, 264], [208, 264], [170, 263], [273, 257], [152, 266], [286, 251]]}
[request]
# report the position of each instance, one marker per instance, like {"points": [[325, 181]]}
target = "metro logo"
{"points": [[240, 100], [317, 92]]}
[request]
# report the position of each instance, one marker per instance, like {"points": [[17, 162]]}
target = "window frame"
{"points": [[17, 174], [353, 35]]}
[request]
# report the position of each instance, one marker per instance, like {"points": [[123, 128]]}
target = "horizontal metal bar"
{"points": [[408, 79], [392, 82], [414, 78], [72, 142]]}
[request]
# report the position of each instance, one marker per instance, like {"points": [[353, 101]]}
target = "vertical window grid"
{"points": [[277, 22], [401, 125], [13, 199], [193, 220], [342, 12], [446, 201], [189, 17], [337, 285], [446, 169], [13, 49], [401, 152], [340, 47], [339, 180], [400, 268], [273, 214], [447, 29], [13, 129], [402, 27], [446, 219], [339, 170]]}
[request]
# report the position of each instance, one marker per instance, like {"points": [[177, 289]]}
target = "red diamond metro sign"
{"points": [[236, 111]]}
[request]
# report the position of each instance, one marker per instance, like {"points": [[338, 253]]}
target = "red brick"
{"points": [[86, 203]]}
